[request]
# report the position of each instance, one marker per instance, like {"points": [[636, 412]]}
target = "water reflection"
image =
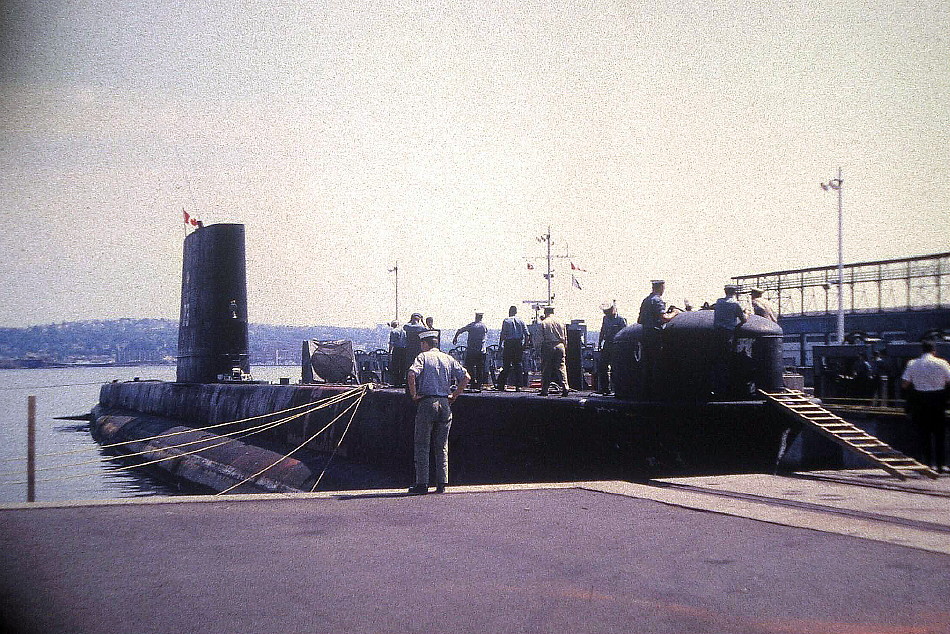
{"points": [[70, 464]]}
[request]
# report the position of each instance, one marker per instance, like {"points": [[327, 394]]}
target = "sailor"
{"points": [[474, 349], [929, 377], [430, 380], [397, 353], [653, 313], [761, 306], [553, 365], [612, 324], [728, 316], [513, 337], [412, 330], [653, 317]]}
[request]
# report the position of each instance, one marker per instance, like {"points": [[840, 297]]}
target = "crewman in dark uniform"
{"points": [[413, 346], [612, 324], [728, 316], [474, 350], [653, 316], [397, 354]]}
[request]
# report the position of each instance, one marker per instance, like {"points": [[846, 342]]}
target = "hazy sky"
{"points": [[657, 139]]}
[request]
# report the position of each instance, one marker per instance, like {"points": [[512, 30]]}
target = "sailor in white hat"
{"points": [[474, 349], [612, 324], [728, 316], [435, 380], [760, 306]]}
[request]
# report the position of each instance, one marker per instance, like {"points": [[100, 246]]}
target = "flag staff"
{"points": [[547, 238], [549, 275]]}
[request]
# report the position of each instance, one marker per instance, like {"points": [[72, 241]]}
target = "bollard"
{"points": [[31, 449]]}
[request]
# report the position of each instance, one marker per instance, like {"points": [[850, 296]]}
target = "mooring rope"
{"points": [[246, 432], [339, 442], [326, 401], [237, 435], [352, 406]]}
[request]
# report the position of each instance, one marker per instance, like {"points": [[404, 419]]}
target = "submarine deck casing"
{"points": [[495, 437]]}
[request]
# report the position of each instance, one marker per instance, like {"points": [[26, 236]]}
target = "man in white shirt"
{"points": [[928, 376]]}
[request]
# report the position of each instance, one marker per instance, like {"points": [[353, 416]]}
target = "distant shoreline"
{"points": [[39, 364], [34, 364]]}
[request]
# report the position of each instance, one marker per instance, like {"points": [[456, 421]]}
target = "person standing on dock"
{"points": [[760, 306], [430, 379], [553, 365], [612, 324], [513, 337], [928, 376], [397, 354], [474, 350], [653, 316]]}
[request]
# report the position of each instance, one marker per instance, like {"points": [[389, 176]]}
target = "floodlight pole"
{"points": [[840, 262], [395, 270]]}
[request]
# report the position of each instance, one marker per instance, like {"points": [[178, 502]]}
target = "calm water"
{"points": [[68, 392]]}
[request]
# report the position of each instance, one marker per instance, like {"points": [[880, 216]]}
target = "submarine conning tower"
{"points": [[212, 330], [685, 362]]}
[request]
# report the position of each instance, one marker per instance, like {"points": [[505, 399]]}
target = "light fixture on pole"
{"points": [[395, 270], [837, 185]]}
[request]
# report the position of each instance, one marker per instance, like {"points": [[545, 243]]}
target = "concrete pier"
{"points": [[817, 553]]}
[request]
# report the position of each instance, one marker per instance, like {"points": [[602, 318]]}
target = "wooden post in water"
{"points": [[31, 449]]}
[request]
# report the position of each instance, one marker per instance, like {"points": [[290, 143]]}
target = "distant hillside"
{"points": [[156, 341]]}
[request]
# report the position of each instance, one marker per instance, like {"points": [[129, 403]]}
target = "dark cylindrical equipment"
{"points": [[628, 363], [689, 360], [212, 331], [576, 334]]}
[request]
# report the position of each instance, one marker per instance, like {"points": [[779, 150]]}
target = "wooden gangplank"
{"points": [[802, 409]]}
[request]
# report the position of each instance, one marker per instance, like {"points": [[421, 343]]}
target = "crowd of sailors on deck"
{"points": [[434, 379], [549, 340]]}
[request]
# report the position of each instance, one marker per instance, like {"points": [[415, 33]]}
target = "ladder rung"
{"points": [[847, 434]]}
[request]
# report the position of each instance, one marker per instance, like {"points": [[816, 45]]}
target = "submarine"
{"points": [[674, 413]]}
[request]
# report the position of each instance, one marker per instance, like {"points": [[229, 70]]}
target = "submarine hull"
{"points": [[495, 437]]}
